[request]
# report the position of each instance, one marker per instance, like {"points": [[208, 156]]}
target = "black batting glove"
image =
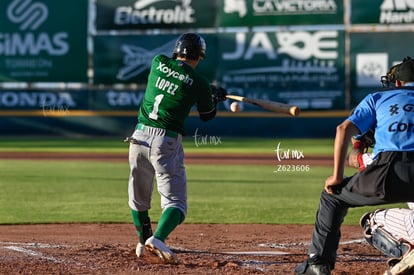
{"points": [[219, 94]]}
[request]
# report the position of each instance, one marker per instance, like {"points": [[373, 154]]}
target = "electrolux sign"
{"points": [[38, 41], [144, 14]]}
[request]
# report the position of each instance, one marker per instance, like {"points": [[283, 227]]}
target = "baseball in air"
{"points": [[235, 107]]}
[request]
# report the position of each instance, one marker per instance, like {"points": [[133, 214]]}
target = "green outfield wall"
{"points": [[100, 124], [80, 67]]}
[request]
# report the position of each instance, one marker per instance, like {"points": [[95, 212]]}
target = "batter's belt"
{"points": [[156, 131]]}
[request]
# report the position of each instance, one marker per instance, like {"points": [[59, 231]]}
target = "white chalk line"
{"points": [[249, 264], [35, 245], [301, 244], [254, 253], [28, 249], [361, 241], [24, 248]]}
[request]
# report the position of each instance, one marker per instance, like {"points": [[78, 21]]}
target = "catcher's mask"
{"points": [[191, 46], [391, 76]]}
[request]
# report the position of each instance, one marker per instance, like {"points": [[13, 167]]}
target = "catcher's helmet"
{"points": [[395, 72], [191, 46], [405, 71]]}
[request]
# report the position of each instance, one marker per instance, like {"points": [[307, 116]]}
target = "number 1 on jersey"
{"points": [[154, 114]]}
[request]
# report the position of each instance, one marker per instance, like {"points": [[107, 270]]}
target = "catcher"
{"points": [[359, 157], [391, 231], [388, 179]]}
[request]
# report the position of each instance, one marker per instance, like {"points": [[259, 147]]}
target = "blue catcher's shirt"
{"points": [[391, 114]]}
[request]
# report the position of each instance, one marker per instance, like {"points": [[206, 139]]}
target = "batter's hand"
{"points": [[331, 185], [219, 93]]}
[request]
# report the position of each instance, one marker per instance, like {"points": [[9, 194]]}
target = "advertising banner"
{"points": [[130, 57], [305, 68], [62, 102], [382, 12], [56, 101], [116, 100], [280, 12], [372, 55], [160, 14], [43, 41]]}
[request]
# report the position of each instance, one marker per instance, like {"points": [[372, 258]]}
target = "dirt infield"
{"points": [[201, 248]]}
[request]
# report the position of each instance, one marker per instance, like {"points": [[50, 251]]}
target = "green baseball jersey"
{"points": [[173, 88]]}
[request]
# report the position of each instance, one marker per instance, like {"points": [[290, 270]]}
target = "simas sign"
{"points": [[383, 12], [27, 42], [144, 14], [37, 41]]}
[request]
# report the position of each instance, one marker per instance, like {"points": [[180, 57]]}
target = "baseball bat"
{"points": [[269, 105]]}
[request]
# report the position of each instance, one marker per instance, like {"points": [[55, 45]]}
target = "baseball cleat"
{"points": [[313, 267], [158, 248], [146, 234], [139, 250]]}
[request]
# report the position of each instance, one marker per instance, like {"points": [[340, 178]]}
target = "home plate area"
{"points": [[200, 248]]}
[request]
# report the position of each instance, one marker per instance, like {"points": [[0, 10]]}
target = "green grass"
{"points": [[62, 191], [24, 144], [207, 144], [71, 191]]}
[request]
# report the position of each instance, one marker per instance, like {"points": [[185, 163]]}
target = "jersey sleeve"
{"points": [[364, 115], [205, 100]]}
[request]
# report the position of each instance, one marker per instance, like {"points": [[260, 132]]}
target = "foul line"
{"points": [[254, 253], [289, 245], [22, 248]]}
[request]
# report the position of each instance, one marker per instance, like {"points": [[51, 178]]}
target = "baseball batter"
{"points": [[155, 147], [388, 179]]}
